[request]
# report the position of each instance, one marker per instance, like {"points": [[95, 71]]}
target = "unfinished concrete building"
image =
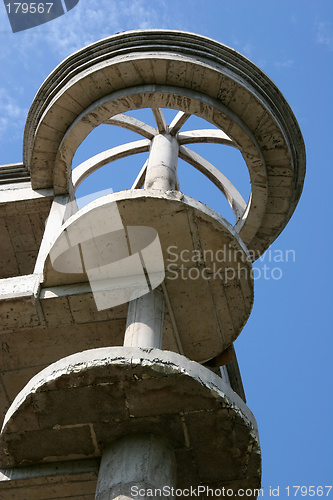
{"points": [[116, 375]]}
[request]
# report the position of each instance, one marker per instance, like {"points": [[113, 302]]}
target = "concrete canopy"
{"points": [[161, 68]]}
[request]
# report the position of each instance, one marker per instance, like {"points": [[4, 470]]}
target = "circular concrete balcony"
{"points": [[79, 405], [182, 71], [126, 242]]}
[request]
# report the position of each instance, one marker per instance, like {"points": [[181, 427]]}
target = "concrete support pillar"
{"points": [[136, 466], [143, 461], [162, 163], [145, 316]]}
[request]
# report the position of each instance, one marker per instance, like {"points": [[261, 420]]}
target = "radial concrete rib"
{"points": [[235, 199], [178, 122], [140, 179], [133, 124], [82, 171], [205, 135], [160, 120]]}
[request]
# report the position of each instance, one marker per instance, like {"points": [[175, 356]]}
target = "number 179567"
{"points": [[29, 8], [310, 491]]}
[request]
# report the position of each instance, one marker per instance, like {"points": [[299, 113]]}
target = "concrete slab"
{"points": [[133, 383], [207, 267]]}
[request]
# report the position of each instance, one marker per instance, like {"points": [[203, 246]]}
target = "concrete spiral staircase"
{"points": [[110, 356]]}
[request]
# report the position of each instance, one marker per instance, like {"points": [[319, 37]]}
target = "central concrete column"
{"points": [[138, 466], [143, 466], [145, 316], [162, 163]]}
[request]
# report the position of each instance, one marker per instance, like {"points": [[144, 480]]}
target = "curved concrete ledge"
{"points": [[207, 269], [192, 63], [82, 403]]}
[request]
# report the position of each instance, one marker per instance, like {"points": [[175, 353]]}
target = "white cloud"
{"points": [[92, 20], [86, 23], [288, 63], [247, 49], [36, 51], [243, 48], [12, 115], [324, 34]]}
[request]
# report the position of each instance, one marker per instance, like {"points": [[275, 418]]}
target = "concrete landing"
{"points": [[77, 406], [208, 280]]}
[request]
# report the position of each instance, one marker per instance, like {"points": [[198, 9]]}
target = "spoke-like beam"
{"points": [[205, 135], [178, 122], [140, 179], [86, 168], [160, 120], [133, 124], [233, 196]]}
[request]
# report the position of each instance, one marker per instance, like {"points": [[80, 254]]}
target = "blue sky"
{"points": [[285, 351]]}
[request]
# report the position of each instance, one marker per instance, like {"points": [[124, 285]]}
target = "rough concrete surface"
{"points": [[23, 212], [85, 402], [142, 461]]}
